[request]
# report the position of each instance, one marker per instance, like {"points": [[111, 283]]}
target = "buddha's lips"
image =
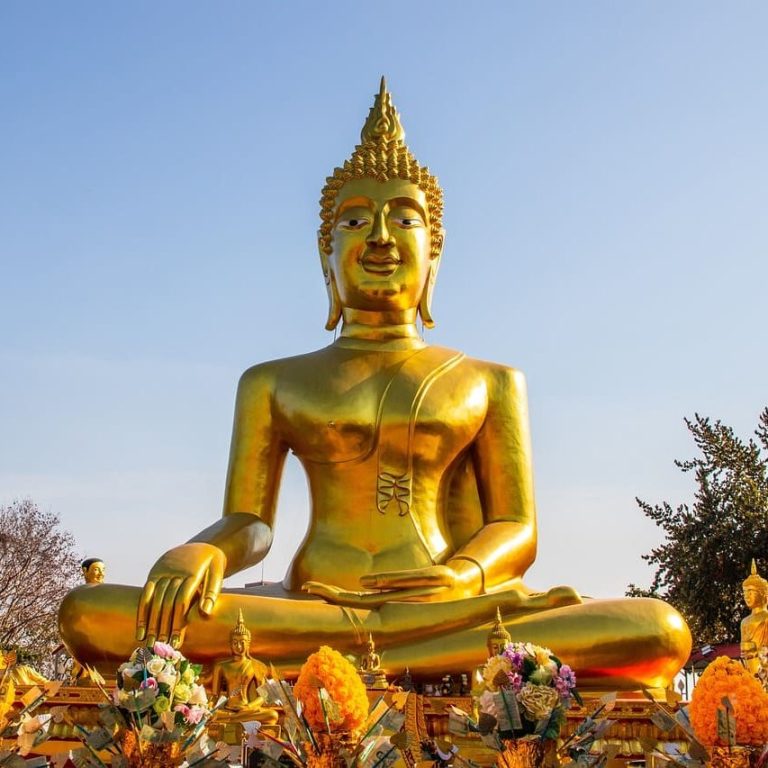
{"points": [[380, 264]]}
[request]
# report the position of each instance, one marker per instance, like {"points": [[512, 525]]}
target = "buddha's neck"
{"points": [[395, 329]]}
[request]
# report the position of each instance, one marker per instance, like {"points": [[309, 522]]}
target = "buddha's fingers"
{"points": [[554, 598], [155, 611], [350, 599], [181, 606], [212, 583], [431, 576], [167, 611], [143, 609]]}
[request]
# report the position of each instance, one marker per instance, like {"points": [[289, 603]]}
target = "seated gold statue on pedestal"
{"points": [[419, 468], [238, 677], [370, 670], [754, 628]]}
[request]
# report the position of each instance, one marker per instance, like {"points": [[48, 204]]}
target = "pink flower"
{"points": [[194, 715], [515, 680], [150, 682], [183, 708], [164, 650]]}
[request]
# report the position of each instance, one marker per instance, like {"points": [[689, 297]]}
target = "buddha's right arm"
{"points": [[242, 537]]}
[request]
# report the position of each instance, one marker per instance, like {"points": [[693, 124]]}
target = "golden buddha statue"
{"points": [[754, 628], [370, 670], [238, 677], [498, 637], [418, 460]]}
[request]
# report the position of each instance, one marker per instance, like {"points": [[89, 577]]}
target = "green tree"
{"points": [[38, 565], [709, 545]]}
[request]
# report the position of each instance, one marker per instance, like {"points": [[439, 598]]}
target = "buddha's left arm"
{"points": [[505, 547]]}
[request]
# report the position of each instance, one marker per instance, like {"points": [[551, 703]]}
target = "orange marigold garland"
{"points": [[725, 677], [328, 669]]}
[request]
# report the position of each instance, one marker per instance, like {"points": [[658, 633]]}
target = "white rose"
{"points": [[155, 666], [198, 695]]}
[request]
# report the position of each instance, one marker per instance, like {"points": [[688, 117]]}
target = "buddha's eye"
{"points": [[408, 222], [352, 223]]}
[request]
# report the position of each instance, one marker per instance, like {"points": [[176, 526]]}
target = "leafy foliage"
{"points": [[709, 546], [38, 566]]}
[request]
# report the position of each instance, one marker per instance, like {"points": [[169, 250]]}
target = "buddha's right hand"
{"points": [[195, 569]]}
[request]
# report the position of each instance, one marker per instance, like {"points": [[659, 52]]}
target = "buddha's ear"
{"points": [[334, 302], [425, 303]]}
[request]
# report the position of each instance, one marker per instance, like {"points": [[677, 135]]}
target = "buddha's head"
{"points": [[755, 590], [93, 570], [240, 637], [381, 235]]}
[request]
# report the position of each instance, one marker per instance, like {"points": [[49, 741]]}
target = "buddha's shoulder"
{"points": [[497, 375], [270, 372]]}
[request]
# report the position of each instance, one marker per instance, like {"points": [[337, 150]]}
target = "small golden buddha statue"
{"points": [[754, 628], [93, 570], [239, 676], [498, 637], [419, 466], [370, 669], [497, 641]]}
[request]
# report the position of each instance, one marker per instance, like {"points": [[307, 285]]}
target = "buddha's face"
{"points": [[95, 573], [754, 598], [497, 647], [239, 644], [381, 245]]}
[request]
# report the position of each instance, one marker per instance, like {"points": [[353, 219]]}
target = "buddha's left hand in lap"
{"points": [[461, 578]]}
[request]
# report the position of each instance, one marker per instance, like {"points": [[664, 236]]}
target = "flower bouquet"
{"points": [[155, 717], [335, 706], [522, 699], [328, 722], [729, 714]]}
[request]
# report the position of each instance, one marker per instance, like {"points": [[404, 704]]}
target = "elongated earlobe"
{"points": [[425, 303], [334, 302]]}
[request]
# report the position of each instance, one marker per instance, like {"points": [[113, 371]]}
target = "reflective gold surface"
{"points": [[419, 467]]}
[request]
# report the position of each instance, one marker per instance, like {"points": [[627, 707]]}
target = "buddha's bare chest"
{"points": [[347, 414]]}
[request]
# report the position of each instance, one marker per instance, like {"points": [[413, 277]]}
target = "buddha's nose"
{"points": [[380, 234]]}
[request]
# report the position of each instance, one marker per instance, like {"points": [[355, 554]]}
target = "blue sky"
{"points": [[605, 172]]}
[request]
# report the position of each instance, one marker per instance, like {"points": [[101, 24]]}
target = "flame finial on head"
{"points": [[383, 122]]}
